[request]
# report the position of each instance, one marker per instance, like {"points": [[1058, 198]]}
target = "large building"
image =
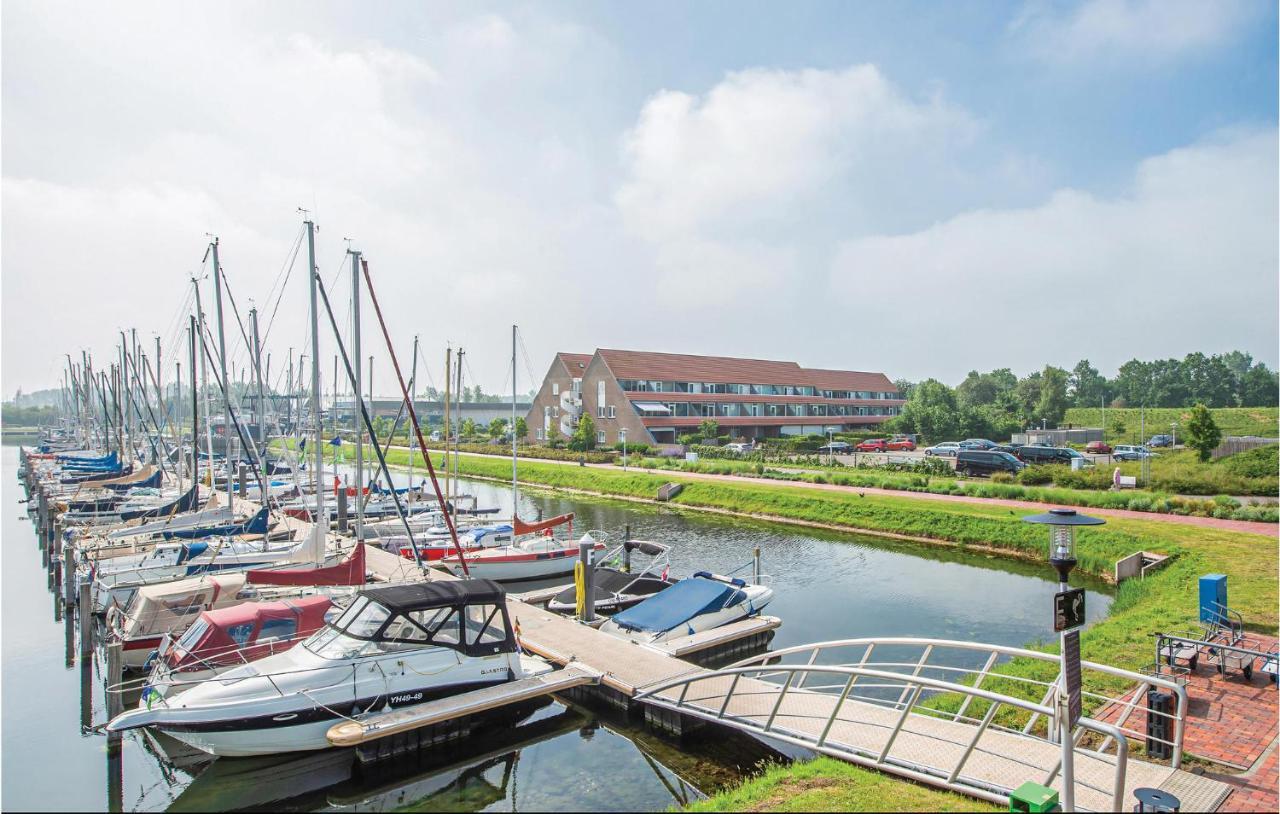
{"points": [[656, 397]]}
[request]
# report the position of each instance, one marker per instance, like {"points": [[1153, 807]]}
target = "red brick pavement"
{"points": [[1230, 721]]}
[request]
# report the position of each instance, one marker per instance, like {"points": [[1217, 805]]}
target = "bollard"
{"points": [[84, 608], [1156, 800], [42, 514], [241, 478], [755, 566], [115, 675], [585, 550], [342, 510]]}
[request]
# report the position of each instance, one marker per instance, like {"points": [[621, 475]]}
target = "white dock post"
{"points": [[755, 566], [585, 550], [85, 610]]}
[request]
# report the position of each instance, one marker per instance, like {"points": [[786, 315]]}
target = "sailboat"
{"points": [[534, 553]]}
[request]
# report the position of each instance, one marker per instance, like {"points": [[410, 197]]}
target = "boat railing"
{"points": [[1110, 692]]}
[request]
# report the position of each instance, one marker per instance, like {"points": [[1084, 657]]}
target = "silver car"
{"points": [[947, 448]]}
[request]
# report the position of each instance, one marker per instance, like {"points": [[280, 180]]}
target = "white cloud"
{"points": [[1128, 30], [1193, 243], [763, 142]]}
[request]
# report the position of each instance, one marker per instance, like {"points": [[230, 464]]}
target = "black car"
{"points": [[1005, 448], [1047, 455], [986, 462]]}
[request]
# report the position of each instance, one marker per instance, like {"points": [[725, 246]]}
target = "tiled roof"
{"points": [[630, 364], [848, 380], [575, 362]]}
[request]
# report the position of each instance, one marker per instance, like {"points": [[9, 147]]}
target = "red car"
{"points": [[900, 444], [873, 445], [1097, 448]]}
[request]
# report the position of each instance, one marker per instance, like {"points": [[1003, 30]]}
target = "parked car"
{"points": [[906, 436], [985, 462], [1012, 450], [1132, 452], [1098, 448], [946, 448], [873, 445], [900, 444], [977, 443], [739, 447], [1160, 441], [836, 448], [1050, 455]]}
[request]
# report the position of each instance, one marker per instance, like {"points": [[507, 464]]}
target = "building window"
{"points": [[542, 435], [577, 386], [613, 411], [600, 437], [600, 411], [555, 388], [600, 393], [555, 412]]}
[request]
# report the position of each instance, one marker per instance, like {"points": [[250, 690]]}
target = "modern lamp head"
{"points": [[1062, 525]]}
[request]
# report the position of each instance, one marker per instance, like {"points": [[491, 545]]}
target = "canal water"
{"points": [[558, 755]]}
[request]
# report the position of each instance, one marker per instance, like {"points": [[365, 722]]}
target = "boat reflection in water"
{"points": [[475, 773]]}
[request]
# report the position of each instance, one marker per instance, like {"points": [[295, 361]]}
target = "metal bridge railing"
{"points": [[754, 703], [944, 658]]}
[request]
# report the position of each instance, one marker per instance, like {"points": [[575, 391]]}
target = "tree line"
{"points": [[998, 403]]}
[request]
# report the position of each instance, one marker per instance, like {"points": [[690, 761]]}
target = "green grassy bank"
{"points": [[1231, 420]]}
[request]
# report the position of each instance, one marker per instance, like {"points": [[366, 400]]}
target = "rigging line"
{"points": [[528, 367], [239, 320], [287, 264], [297, 246]]}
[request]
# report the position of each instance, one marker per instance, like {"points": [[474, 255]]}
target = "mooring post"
{"points": [[42, 514], [85, 609], [585, 551], [115, 673], [242, 477], [755, 566], [342, 508], [67, 565]]}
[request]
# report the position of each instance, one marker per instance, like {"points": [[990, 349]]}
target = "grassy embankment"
{"points": [[1165, 601], [1260, 421]]}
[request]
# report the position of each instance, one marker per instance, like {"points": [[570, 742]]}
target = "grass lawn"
{"points": [[825, 784], [1231, 420]]}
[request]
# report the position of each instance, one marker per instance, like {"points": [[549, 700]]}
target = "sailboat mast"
{"points": [[195, 412], [515, 492], [204, 374], [321, 516], [257, 372], [448, 425], [355, 385], [222, 364], [413, 394]]}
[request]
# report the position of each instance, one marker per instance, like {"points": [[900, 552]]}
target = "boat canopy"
{"points": [[158, 608], [678, 604], [480, 532], [348, 572], [466, 615], [247, 631]]}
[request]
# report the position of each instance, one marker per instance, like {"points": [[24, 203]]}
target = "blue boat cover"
{"points": [[678, 604], [191, 551], [480, 533]]}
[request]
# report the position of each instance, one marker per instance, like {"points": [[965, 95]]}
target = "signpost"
{"points": [[1068, 609]]}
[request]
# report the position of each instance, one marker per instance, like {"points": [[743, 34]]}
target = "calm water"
{"points": [[556, 756]]}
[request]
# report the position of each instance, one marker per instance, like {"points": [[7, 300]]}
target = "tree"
{"points": [[708, 428], [1027, 397], [468, 428], [1052, 405], [522, 428], [1261, 387], [904, 387], [931, 411], [497, 428], [584, 435], [1086, 386], [1202, 434], [1207, 379]]}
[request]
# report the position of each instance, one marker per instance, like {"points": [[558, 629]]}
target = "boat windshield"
{"points": [[193, 635]]}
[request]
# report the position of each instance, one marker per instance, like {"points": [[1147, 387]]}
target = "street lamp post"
{"points": [[622, 433], [1068, 617], [831, 450], [1174, 427]]}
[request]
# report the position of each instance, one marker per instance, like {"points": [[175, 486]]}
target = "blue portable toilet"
{"points": [[1213, 597]]}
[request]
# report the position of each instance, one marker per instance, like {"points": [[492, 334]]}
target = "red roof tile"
{"points": [[575, 362], [849, 380], [630, 364]]}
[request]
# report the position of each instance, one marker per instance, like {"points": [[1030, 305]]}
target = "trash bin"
{"points": [[1159, 724], [1033, 797], [1156, 800]]}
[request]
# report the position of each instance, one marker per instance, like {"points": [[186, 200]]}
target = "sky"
{"points": [[922, 188]]}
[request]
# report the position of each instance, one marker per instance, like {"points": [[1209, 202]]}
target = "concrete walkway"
{"points": [[1248, 526]]}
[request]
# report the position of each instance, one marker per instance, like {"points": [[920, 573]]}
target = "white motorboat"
{"points": [[701, 602], [615, 585], [393, 647]]}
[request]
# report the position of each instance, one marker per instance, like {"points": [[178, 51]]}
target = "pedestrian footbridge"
{"points": [[941, 712]]}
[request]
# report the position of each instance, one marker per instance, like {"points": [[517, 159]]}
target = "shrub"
{"points": [[1002, 477], [1259, 462], [1038, 475], [1095, 478]]}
